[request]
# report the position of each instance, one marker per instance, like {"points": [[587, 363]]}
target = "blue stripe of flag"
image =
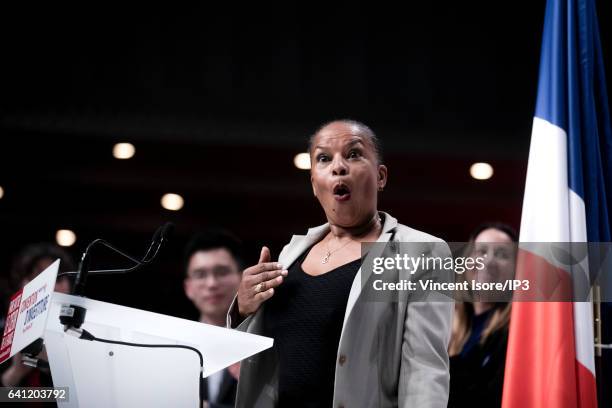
{"points": [[572, 95]]}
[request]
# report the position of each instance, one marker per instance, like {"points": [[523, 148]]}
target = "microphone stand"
{"points": [[73, 316]]}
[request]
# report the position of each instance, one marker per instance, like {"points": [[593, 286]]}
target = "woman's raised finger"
{"points": [[262, 267], [269, 275]]}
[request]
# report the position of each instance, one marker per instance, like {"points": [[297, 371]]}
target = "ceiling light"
{"points": [[65, 237], [302, 161], [172, 202], [481, 171], [123, 151]]}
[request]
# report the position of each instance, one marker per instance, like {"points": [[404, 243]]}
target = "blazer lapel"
{"points": [[299, 243], [363, 276]]}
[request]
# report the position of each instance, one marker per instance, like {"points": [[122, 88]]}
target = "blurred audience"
{"points": [[27, 265], [213, 270], [479, 338]]}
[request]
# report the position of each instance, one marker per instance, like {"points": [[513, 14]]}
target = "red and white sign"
{"points": [[27, 315]]}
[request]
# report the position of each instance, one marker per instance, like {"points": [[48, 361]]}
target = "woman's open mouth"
{"points": [[342, 192]]}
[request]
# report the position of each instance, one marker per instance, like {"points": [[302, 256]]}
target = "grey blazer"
{"points": [[391, 353]]}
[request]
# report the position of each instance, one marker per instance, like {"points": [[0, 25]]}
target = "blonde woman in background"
{"points": [[479, 338]]}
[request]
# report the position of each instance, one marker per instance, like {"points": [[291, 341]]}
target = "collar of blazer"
{"points": [[299, 243]]}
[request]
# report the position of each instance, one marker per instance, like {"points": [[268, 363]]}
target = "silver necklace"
{"points": [[329, 253]]}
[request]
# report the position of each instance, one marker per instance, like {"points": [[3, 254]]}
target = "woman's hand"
{"points": [[258, 283]]}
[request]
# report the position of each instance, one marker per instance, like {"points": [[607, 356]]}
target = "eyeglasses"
{"points": [[218, 272]]}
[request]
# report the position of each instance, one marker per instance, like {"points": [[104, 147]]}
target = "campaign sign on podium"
{"points": [[28, 311]]}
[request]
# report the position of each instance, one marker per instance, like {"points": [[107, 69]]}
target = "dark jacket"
{"points": [[227, 392], [477, 377]]}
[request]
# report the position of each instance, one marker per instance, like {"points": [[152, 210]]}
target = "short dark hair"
{"points": [[24, 263], [214, 239], [363, 130]]}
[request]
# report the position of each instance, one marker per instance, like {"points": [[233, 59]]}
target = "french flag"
{"points": [[568, 198]]}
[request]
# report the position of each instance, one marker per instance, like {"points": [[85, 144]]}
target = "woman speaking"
{"points": [[333, 346]]}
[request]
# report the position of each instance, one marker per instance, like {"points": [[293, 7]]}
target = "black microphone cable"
{"points": [[85, 335]]}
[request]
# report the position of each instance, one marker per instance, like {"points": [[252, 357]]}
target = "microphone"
{"points": [[161, 235], [159, 238], [73, 316]]}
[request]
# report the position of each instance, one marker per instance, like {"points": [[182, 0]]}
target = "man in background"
{"points": [[213, 269]]}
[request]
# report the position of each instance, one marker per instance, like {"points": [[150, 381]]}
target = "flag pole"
{"points": [[597, 320], [597, 326]]}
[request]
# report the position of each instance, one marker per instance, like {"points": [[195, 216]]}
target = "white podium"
{"points": [[108, 375]]}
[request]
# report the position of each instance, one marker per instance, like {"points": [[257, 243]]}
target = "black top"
{"points": [[477, 374], [305, 318], [478, 325]]}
